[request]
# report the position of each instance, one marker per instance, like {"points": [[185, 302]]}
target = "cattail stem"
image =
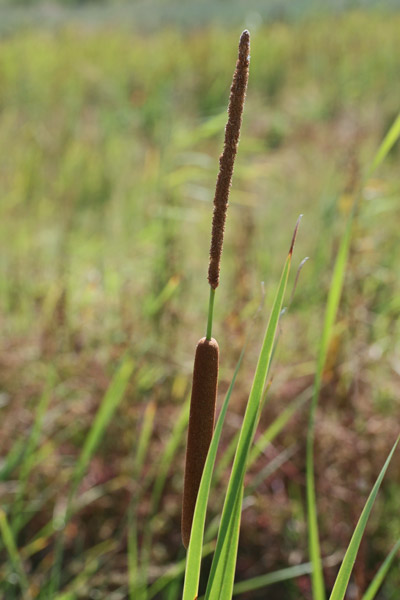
{"points": [[210, 314], [205, 372]]}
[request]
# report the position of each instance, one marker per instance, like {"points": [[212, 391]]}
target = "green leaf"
{"points": [[138, 571], [222, 570], [174, 572], [261, 581], [136, 575], [162, 467], [110, 402], [342, 579], [335, 292], [157, 476], [381, 574], [265, 438], [229, 552], [387, 144], [144, 439], [334, 295], [13, 458], [277, 426], [256, 583], [134, 581], [12, 551], [30, 455]]}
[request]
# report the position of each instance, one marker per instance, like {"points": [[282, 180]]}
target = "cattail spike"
{"points": [[201, 426], [227, 158]]}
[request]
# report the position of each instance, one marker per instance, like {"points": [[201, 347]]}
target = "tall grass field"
{"points": [[109, 142]]}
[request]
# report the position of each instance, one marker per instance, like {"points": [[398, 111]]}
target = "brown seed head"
{"points": [[201, 426], [227, 158]]}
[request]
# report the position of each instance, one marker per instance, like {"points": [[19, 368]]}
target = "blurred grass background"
{"points": [[110, 132]]}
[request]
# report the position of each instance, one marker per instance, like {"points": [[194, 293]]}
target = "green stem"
{"points": [[210, 313]]}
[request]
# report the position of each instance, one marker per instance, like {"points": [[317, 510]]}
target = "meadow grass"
{"points": [[108, 170]]}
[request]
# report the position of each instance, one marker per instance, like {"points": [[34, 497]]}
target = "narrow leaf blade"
{"points": [[332, 306], [222, 573], [377, 581], [342, 579], [387, 144]]}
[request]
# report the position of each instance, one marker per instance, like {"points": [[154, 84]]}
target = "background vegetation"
{"points": [[109, 140]]}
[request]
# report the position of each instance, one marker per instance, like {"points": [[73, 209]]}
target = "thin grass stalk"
{"points": [[15, 558], [378, 580], [343, 577], [160, 473], [29, 457], [111, 400], [332, 306], [137, 573]]}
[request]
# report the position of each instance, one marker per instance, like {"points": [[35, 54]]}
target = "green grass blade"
{"points": [[377, 581], [111, 400], [172, 592], [91, 561], [194, 553], [160, 473], [144, 439], [212, 529], [13, 459], [313, 536], [133, 564], [261, 581], [136, 576], [12, 551], [169, 452], [41, 538], [264, 439], [222, 574], [154, 305], [342, 579], [174, 572], [30, 455], [217, 578], [334, 295], [387, 144], [272, 466], [226, 458], [229, 552], [277, 426]]}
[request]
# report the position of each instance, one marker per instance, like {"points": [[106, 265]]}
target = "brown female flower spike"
{"points": [[227, 158], [201, 426]]}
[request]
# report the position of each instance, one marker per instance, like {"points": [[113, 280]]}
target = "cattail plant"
{"points": [[205, 372]]}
